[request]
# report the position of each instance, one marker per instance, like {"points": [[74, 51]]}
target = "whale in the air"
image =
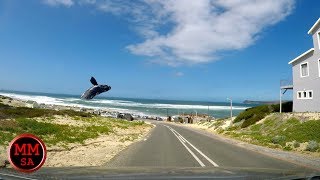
{"points": [[96, 89]]}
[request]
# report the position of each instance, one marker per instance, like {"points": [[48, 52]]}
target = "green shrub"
{"points": [[252, 115], [287, 148], [7, 112], [312, 146], [301, 132], [256, 127], [255, 118], [217, 123], [232, 128], [99, 129], [255, 114], [73, 113], [278, 139], [5, 137], [296, 144], [21, 121], [220, 130], [286, 107], [138, 123], [38, 128]]}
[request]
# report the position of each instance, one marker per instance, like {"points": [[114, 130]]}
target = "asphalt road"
{"points": [[174, 152], [169, 145]]}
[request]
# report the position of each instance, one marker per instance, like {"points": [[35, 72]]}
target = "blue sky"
{"points": [[154, 49]]}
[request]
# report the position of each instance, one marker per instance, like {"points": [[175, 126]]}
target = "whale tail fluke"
{"points": [[93, 81]]}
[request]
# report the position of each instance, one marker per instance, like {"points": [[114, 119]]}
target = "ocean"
{"points": [[148, 107]]}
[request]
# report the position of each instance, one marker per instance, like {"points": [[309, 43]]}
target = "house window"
{"points": [[305, 94], [304, 70]]}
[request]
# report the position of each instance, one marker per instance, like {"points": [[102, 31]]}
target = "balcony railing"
{"points": [[286, 84]]}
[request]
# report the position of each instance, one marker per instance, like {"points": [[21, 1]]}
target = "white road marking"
{"points": [[21, 177], [184, 140], [194, 156], [200, 152]]}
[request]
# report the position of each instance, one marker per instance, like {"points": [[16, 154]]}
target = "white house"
{"points": [[306, 76]]}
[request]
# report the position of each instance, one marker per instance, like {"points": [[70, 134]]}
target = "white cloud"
{"points": [[179, 32], [67, 3], [179, 74], [203, 28]]}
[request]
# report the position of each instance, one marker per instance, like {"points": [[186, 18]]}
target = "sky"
{"points": [[164, 49]]}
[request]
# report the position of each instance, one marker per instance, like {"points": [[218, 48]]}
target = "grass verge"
{"points": [[279, 132], [41, 122]]}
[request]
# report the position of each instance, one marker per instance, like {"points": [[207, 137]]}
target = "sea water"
{"points": [[148, 107]]}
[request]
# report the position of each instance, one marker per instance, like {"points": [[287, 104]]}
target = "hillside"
{"points": [[263, 125]]}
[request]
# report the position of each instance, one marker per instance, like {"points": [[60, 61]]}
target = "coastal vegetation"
{"points": [[264, 125], [252, 115], [9, 112], [280, 131], [68, 132], [79, 126]]}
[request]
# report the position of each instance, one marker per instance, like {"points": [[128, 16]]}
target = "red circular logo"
{"points": [[27, 153]]}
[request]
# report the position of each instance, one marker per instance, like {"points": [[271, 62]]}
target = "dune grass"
{"points": [[252, 115], [277, 131], [18, 120], [51, 133], [7, 112]]}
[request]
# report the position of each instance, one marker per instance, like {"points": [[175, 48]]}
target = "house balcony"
{"points": [[286, 84]]}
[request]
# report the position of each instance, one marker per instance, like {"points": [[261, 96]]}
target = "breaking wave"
{"points": [[138, 106]]}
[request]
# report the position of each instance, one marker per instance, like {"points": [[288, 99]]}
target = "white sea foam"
{"points": [[66, 102], [38, 99], [124, 106], [44, 100], [163, 106]]}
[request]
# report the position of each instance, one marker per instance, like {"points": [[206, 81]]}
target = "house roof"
{"points": [[305, 53], [315, 25]]}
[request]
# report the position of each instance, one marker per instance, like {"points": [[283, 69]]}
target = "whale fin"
{"points": [[93, 81]]}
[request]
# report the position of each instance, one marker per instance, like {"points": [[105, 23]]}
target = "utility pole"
{"points": [[280, 101], [230, 109]]}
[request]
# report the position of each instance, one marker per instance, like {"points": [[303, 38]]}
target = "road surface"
{"points": [[170, 145], [173, 151]]}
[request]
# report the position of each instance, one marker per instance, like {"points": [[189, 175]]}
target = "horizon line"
{"points": [[145, 98]]}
